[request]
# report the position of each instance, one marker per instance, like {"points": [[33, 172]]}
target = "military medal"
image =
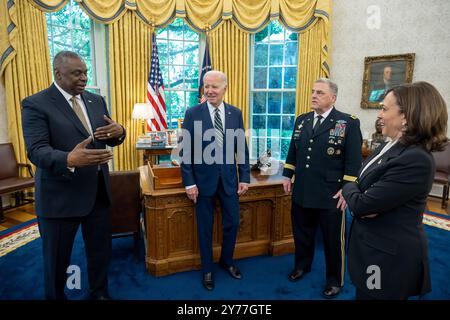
{"points": [[330, 151], [338, 152]]}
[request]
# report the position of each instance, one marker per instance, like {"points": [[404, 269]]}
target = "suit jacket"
{"points": [[323, 161], [195, 169], [395, 187], [51, 130]]}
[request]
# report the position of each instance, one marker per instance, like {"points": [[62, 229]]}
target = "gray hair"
{"points": [[218, 73], [62, 56], [333, 86]]}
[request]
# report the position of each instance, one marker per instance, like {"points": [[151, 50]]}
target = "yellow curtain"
{"points": [[248, 15], [28, 69], [129, 64], [312, 63], [229, 54]]}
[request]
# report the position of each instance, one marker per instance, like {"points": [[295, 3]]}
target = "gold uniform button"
{"points": [[308, 157], [311, 140], [309, 149], [307, 166]]}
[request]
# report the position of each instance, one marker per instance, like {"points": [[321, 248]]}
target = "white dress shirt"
{"points": [[388, 145]]}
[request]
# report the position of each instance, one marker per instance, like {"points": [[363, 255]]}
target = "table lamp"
{"points": [[143, 111]]}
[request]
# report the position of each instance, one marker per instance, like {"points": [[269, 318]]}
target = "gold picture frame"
{"points": [[382, 73]]}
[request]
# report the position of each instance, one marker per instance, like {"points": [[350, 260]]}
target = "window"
{"points": [[178, 50], [72, 29], [272, 90]]}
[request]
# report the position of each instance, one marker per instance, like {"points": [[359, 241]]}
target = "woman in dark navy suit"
{"points": [[388, 248]]}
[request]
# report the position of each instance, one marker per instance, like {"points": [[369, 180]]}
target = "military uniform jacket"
{"points": [[322, 161]]}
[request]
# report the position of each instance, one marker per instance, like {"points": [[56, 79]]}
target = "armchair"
{"points": [[10, 180], [442, 174]]}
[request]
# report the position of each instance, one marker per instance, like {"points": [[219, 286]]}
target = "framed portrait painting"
{"points": [[381, 73]]}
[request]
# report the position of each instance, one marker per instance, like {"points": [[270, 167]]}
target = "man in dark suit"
{"points": [[210, 171], [66, 130], [325, 151]]}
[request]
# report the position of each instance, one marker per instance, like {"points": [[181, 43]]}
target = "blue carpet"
{"points": [[265, 277]]}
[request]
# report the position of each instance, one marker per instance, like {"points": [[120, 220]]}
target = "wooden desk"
{"points": [[171, 230], [151, 154]]}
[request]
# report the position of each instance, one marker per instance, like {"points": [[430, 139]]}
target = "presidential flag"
{"points": [[155, 93], [206, 66]]}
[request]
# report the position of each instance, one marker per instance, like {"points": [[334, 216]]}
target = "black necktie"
{"points": [[319, 118]]}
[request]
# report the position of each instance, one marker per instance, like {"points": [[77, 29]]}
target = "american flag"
{"points": [[206, 66], [155, 93]]}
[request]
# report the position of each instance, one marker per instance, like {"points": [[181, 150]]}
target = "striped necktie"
{"points": [[219, 127], [77, 109]]}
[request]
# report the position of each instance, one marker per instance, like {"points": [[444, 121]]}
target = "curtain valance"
{"points": [[248, 15]]}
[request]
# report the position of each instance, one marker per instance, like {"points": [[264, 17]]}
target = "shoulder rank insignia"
{"points": [[353, 117]]}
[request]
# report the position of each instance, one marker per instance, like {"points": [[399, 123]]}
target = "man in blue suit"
{"points": [[216, 169], [66, 130]]}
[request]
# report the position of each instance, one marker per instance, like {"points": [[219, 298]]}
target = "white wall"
{"points": [[406, 26]]}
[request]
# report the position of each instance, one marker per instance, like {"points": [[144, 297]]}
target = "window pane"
{"points": [[176, 75], [275, 77], [254, 148], [192, 100], [276, 54], [176, 29], [287, 126], [260, 78], [70, 29], [162, 52], [263, 35], [284, 148], [62, 17], [191, 53], [176, 52], [81, 43], [274, 102], [182, 67], [273, 126], [165, 75], [261, 54], [289, 102], [258, 146], [259, 125], [291, 36], [274, 144], [161, 33], [276, 31], [259, 102], [189, 34], [290, 53], [191, 77], [177, 103], [290, 76]]}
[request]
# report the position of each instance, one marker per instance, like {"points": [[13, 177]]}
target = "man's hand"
{"points": [[81, 157], [287, 184], [110, 131], [342, 204], [242, 188], [192, 193]]}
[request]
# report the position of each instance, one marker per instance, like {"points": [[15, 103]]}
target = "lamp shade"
{"points": [[142, 111]]}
